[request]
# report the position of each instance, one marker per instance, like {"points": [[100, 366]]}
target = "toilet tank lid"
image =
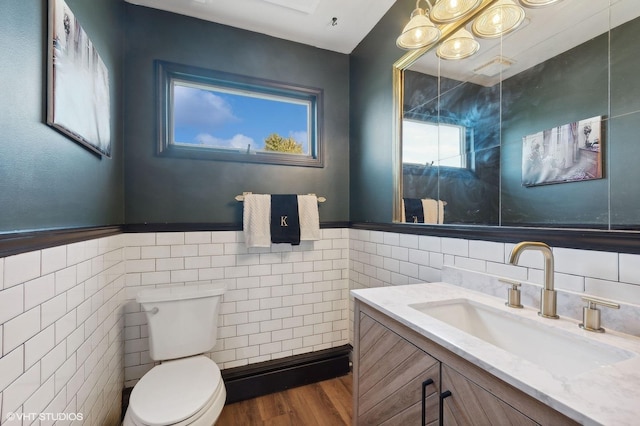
{"points": [[165, 294]]}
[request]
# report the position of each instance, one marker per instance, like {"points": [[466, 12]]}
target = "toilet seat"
{"points": [[177, 392]]}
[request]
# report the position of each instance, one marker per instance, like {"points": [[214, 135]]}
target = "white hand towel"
{"points": [[309, 217], [441, 211], [430, 210], [256, 219]]}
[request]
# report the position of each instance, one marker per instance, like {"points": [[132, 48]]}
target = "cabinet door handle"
{"points": [[424, 399], [443, 396]]}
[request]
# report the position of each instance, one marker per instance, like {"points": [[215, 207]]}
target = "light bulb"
{"points": [[461, 45], [502, 18], [446, 11]]}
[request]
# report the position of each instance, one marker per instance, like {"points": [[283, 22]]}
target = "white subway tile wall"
{"points": [[61, 333], [280, 301], [71, 334], [630, 268]]}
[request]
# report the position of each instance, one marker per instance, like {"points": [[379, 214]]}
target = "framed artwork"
{"points": [[78, 102], [568, 153]]}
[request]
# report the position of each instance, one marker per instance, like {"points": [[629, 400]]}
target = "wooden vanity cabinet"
{"points": [[402, 378], [395, 377], [465, 403]]}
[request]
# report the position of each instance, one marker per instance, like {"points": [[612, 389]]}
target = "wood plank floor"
{"points": [[324, 403]]}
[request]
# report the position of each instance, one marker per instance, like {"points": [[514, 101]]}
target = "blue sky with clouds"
{"points": [[229, 120]]}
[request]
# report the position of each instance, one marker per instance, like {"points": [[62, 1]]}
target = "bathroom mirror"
{"points": [[537, 129]]}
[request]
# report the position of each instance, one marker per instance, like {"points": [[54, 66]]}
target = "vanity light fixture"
{"points": [[445, 11], [500, 19], [459, 46], [537, 3], [420, 31]]}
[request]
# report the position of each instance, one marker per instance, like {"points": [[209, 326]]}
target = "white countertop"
{"points": [[607, 395]]}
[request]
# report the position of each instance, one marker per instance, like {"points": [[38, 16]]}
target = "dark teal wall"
{"points": [[49, 181], [623, 149], [598, 77], [160, 189], [46, 179], [371, 97], [570, 87]]}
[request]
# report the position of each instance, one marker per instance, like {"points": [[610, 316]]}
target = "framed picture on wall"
{"points": [[568, 153], [78, 102]]}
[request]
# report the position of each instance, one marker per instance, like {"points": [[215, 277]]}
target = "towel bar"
{"points": [[241, 197]]}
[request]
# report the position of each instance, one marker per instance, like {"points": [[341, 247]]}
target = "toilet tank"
{"points": [[182, 321]]}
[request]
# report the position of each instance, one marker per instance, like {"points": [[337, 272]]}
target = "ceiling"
{"points": [[309, 22], [546, 32]]}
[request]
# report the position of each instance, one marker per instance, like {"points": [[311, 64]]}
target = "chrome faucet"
{"points": [[548, 298]]}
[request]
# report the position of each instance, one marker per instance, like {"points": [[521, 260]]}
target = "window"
{"points": [[206, 114], [435, 144]]}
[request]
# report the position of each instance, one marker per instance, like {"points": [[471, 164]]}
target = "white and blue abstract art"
{"points": [[78, 102]]}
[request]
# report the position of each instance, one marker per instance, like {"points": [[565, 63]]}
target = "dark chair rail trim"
{"points": [[584, 239], [22, 242], [194, 227]]}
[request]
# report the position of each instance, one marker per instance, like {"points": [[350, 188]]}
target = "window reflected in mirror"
{"points": [[433, 144], [465, 173]]}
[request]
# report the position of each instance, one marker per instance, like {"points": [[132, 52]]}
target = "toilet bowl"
{"points": [[187, 387], [187, 391]]}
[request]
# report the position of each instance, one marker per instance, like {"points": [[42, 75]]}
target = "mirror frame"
{"points": [[623, 241]]}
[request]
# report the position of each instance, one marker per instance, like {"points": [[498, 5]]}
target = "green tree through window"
{"points": [[275, 142]]}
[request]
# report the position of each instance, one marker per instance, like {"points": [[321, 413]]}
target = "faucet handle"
{"points": [[513, 294], [591, 314]]}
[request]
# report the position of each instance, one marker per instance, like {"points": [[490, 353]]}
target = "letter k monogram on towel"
{"points": [[285, 221]]}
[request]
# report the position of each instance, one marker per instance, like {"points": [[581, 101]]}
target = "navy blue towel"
{"points": [[413, 211], [285, 221]]}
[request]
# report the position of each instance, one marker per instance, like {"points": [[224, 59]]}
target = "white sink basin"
{"points": [[561, 353]]}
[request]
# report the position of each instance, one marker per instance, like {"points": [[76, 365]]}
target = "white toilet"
{"points": [[186, 388]]}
